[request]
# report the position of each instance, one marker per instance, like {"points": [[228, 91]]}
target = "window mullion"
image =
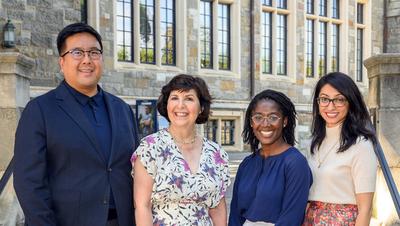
{"points": [[315, 47], [274, 44], [219, 125], [136, 31], [329, 9], [206, 34], [157, 33], [309, 49], [328, 56], [215, 49]]}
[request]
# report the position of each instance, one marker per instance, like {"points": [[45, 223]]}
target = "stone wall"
{"points": [[377, 24], [393, 23], [37, 24], [39, 21]]}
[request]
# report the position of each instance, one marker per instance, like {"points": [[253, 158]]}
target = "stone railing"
{"points": [[384, 105]]}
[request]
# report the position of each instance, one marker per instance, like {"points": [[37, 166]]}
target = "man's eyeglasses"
{"points": [[79, 54], [338, 102], [259, 119]]}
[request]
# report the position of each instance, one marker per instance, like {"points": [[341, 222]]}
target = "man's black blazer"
{"points": [[61, 176]]}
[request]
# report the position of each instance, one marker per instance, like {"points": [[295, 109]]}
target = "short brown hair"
{"points": [[183, 82]]}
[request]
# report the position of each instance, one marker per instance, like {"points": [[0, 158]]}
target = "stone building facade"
{"points": [[282, 45], [392, 18]]}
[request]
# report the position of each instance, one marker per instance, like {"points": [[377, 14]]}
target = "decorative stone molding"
{"points": [[15, 71]]}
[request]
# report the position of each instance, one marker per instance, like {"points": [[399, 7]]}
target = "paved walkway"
{"points": [[235, 158]]}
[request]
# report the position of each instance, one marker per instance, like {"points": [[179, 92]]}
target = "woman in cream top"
{"points": [[342, 175], [342, 159]]}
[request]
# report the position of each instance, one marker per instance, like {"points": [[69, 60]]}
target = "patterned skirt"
{"points": [[324, 214]]}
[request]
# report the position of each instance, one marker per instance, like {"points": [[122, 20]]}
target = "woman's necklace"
{"points": [[320, 161], [182, 141]]}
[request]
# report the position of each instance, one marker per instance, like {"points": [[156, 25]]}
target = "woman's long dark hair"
{"points": [[286, 107], [357, 122]]}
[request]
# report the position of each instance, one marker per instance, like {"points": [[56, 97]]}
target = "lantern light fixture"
{"points": [[9, 35]]}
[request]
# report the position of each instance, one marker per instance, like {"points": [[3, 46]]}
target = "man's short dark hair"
{"points": [[75, 29]]}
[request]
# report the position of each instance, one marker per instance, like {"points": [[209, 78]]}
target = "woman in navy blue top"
{"points": [[271, 186]]}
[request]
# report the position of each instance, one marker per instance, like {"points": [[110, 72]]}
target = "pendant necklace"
{"points": [[178, 141], [320, 161]]}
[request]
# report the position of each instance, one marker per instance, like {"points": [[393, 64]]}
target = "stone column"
{"points": [[15, 69], [384, 104]]}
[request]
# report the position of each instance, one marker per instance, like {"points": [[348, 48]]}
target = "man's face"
{"points": [[147, 109], [82, 74]]}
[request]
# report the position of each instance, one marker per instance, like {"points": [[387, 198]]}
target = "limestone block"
{"points": [[388, 134], [71, 14], [378, 63], [373, 97], [61, 4], [14, 4], [43, 16], [192, 4], [393, 9], [193, 52], [32, 2], [390, 89], [16, 14], [14, 91], [143, 83], [109, 62], [45, 3], [227, 85], [41, 40], [14, 83], [7, 91], [8, 124], [14, 62], [3, 14]]}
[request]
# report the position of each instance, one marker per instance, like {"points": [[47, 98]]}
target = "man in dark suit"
{"points": [[73, 144]]}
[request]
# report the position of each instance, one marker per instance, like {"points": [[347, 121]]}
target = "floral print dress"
{"points": [[179, 196]]}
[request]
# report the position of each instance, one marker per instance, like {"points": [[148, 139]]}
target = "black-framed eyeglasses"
{"points": [[259, 119], [79, 54], [338, 102]]}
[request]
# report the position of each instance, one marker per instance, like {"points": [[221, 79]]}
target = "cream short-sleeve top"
{"points": [[338, 177]]}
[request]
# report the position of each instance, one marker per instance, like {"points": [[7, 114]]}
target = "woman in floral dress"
{"points": [[181, 177]]}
